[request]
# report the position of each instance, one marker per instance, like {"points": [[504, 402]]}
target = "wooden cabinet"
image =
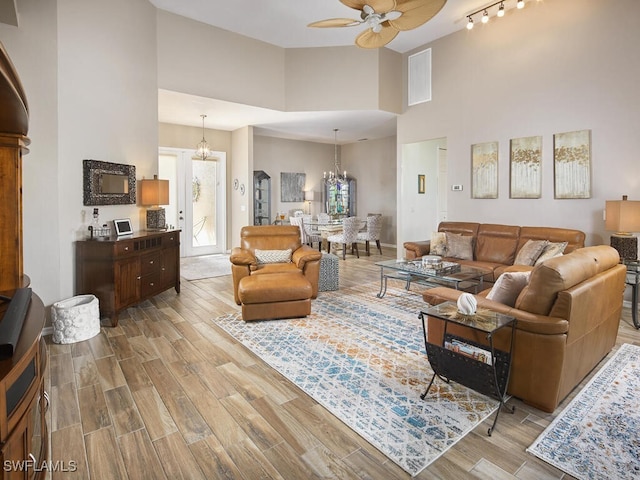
{"points": [[23, 402], [261, 198], [123, 271]]}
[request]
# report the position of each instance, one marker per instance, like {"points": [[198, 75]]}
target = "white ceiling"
{"points": [[284, 23]]}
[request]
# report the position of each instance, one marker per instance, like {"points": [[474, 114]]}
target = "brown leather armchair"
{"points": [[304, 259], [567, 321]]}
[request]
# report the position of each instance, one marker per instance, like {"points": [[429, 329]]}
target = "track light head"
{"points": [[470, 23], [520, 4], [485, 17], [501, 10]]}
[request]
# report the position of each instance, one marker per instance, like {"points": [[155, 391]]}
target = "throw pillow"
{"points": [[438, 244], [530, 252], [508, 287], [273, 256], [551, 250], [459, 246]]}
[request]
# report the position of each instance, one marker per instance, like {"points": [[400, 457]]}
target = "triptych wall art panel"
{"points": [[571, 167], [526, 167], [572, 164], [484, 170]]}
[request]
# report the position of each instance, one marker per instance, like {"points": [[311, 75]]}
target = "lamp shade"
{"points": [[309, 196], [154, 192], [622, 216]]}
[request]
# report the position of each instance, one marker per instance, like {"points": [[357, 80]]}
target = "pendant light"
{"points": [[202, 150]]}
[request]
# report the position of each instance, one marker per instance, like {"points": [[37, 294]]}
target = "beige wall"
{"points": [[552, 67], [91, 77], [202, 60], [372, 163]]}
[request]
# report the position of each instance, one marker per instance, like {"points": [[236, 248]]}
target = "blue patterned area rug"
{"points": [[364, 359], [597, 436]]}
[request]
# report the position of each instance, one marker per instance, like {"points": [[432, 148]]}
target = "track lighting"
{"points": [[485, 12]]}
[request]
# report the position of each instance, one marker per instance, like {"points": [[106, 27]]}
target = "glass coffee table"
{"points": [[460, 277]]}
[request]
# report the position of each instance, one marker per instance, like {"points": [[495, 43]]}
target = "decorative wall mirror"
{"points": [[106, 183]]}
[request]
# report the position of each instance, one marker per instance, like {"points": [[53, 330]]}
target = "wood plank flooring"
{"points": [[168, 394]]}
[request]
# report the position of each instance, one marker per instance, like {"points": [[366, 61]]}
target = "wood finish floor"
{"points": [[168, 394]]}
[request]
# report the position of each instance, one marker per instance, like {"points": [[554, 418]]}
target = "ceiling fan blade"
{"points": [[370, 39], [335, 22], [415, 13], [379, 6]]}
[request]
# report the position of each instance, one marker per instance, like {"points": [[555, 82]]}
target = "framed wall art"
{"points": [[421, 184], [572, 164], [525, 167], [484, 170], [292, 187]]}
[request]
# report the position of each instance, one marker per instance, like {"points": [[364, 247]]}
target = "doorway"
{"points": [[423, 208], [197, 196]]}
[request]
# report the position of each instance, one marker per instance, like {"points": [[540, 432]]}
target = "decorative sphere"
{"points": [[467, 304]]}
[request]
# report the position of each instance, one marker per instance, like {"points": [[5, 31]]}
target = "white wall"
{"points": [[33, 49], [419, 212], [107, 106], [552, 67]]}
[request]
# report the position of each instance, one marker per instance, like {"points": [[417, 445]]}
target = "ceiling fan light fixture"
{"points": [[384, 18]]}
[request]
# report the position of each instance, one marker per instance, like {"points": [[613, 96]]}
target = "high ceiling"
{"points": [[284, 23]]}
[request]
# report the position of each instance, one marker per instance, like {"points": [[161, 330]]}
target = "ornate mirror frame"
{"points": [[92, 171]]}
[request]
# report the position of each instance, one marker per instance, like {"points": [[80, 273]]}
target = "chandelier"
{"points": [[334, 177], [202, 150]]}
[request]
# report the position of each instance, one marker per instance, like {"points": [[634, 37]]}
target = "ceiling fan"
{"points": [[384, 18]]}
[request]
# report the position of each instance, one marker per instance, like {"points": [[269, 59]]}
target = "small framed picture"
{"points": [[421, 184], [123, 226]]}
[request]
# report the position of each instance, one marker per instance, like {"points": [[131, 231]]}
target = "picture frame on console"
{"points": [[122, 227]]}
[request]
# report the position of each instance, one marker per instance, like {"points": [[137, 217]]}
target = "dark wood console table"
{"points": [[123, 271]]}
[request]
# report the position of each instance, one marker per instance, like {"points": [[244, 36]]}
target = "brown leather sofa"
{"points": [[495, 246], [274, 290], [567, 321]]}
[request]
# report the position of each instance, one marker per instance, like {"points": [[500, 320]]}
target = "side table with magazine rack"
{"points": [[633, 280], [482, 368], [449, 274]]}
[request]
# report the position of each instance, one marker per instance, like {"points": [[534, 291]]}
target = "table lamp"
{"points": [[154, 193], [623, 217], [309, 196]]}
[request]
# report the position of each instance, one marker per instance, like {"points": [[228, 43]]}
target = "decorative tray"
{"points": [[444, 268]]}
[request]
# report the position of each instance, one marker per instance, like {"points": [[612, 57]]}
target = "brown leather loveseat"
{"points": [[567, 321], [495, 246], [273, 287]]}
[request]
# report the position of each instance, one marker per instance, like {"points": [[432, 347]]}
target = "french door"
{"points": [[197, 197]]}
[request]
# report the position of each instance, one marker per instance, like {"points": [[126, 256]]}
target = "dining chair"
{"points": [[311, 232], [374, 228], [349, 236], [323, 218], [298, 221]]}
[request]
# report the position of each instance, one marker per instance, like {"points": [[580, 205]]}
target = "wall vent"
{"points": [[419, 77]]}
